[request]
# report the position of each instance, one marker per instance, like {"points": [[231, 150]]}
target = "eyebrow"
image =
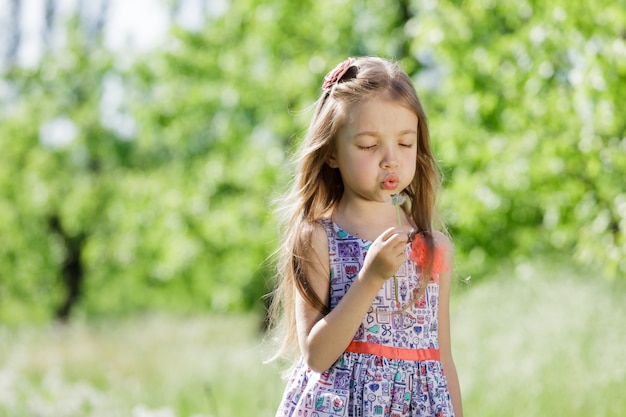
{"points": [[372, 133]]}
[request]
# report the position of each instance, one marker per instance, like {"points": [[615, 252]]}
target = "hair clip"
{"points": [[337, 73]]}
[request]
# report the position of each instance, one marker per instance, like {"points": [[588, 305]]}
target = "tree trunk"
{"points": [[72, 271], [50, 13], [404, 16], [101, 19], [15, 31]]}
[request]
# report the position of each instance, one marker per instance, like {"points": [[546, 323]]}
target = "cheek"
{"points": [[353, 167], [411, 166], [359, 172]]}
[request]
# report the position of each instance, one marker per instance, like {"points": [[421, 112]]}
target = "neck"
{"points": [[368, 219]]}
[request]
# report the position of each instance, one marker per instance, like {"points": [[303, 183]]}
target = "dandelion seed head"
{"points": [[398, 199]]}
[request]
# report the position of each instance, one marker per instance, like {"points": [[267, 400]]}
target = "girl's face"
{"points": [[376, 150]]}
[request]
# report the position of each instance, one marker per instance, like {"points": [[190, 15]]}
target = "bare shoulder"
{"points": [[443, 239], [316, 247], [319, 238]]}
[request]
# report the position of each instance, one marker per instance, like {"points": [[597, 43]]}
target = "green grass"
{"points": [[541, 341], [528, 342], [156, 366]]}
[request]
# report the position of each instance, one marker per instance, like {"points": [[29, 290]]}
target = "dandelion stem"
{"points": [[398, 215], [396, 200]]}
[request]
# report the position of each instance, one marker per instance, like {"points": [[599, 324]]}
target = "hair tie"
{"points": [[334, 76]]}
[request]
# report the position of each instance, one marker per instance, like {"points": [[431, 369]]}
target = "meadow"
{"points": [[530, 341]]}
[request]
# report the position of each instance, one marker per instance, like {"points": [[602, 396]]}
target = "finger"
{"points": [[398, 239], [400, 258], [393, 245], [393, 233], [387, 234]]}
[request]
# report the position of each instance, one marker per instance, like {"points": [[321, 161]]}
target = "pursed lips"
{"points": [[390, 181]]}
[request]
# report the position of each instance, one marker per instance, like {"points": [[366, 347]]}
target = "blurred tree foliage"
{"points": [[529, 123], [129, 185]]}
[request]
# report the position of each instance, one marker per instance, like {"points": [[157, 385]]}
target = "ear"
{"points": [[331, 161]]}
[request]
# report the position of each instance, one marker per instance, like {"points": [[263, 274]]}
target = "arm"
{"points": [[445, 280], [322, 338]]}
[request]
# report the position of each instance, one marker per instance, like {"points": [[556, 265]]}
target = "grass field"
{"points": [[529, 342], [539, 342], [156, 366]]}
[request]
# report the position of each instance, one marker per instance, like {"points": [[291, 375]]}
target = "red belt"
{"points": [[394, 352]]}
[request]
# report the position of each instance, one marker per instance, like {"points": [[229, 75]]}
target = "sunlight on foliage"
{"points": [[148, 181]]}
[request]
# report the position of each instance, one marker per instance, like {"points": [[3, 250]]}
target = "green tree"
{"points": [[126, 187], [525, 110], [53, 181]]}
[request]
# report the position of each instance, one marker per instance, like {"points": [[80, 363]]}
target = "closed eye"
{"points": [[366, 148]]}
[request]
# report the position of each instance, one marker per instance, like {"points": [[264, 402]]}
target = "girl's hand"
{"points": [[386, 254]]}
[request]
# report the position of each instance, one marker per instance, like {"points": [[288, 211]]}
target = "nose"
{"points": [[390, 159]]}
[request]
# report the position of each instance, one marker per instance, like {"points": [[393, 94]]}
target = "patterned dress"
{"points": [[391, 367]]}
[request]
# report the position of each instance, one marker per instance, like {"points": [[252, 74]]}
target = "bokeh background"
{"points": [[144, 142]]}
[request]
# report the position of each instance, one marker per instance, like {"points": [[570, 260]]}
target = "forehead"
{"points": [[378, 114]]}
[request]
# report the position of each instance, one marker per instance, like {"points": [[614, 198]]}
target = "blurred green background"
{"points": [[143, 143]]}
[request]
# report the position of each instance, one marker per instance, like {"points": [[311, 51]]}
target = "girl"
{"points": [[364, 279]]}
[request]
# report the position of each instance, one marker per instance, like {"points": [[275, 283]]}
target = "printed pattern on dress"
{"points": [[364, 385]]}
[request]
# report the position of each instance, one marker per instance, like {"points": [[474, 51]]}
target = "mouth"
{"points": [[390, 182]]}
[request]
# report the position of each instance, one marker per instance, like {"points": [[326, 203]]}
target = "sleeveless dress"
{"points": [[391, 367]]}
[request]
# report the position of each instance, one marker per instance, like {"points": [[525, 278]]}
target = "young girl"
{"points": [[364, 279]]}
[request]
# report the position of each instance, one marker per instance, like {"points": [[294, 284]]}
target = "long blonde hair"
{"points": [[317, 188]]}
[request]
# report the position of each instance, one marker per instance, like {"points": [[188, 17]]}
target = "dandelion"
{"points": [[397, 200]]}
